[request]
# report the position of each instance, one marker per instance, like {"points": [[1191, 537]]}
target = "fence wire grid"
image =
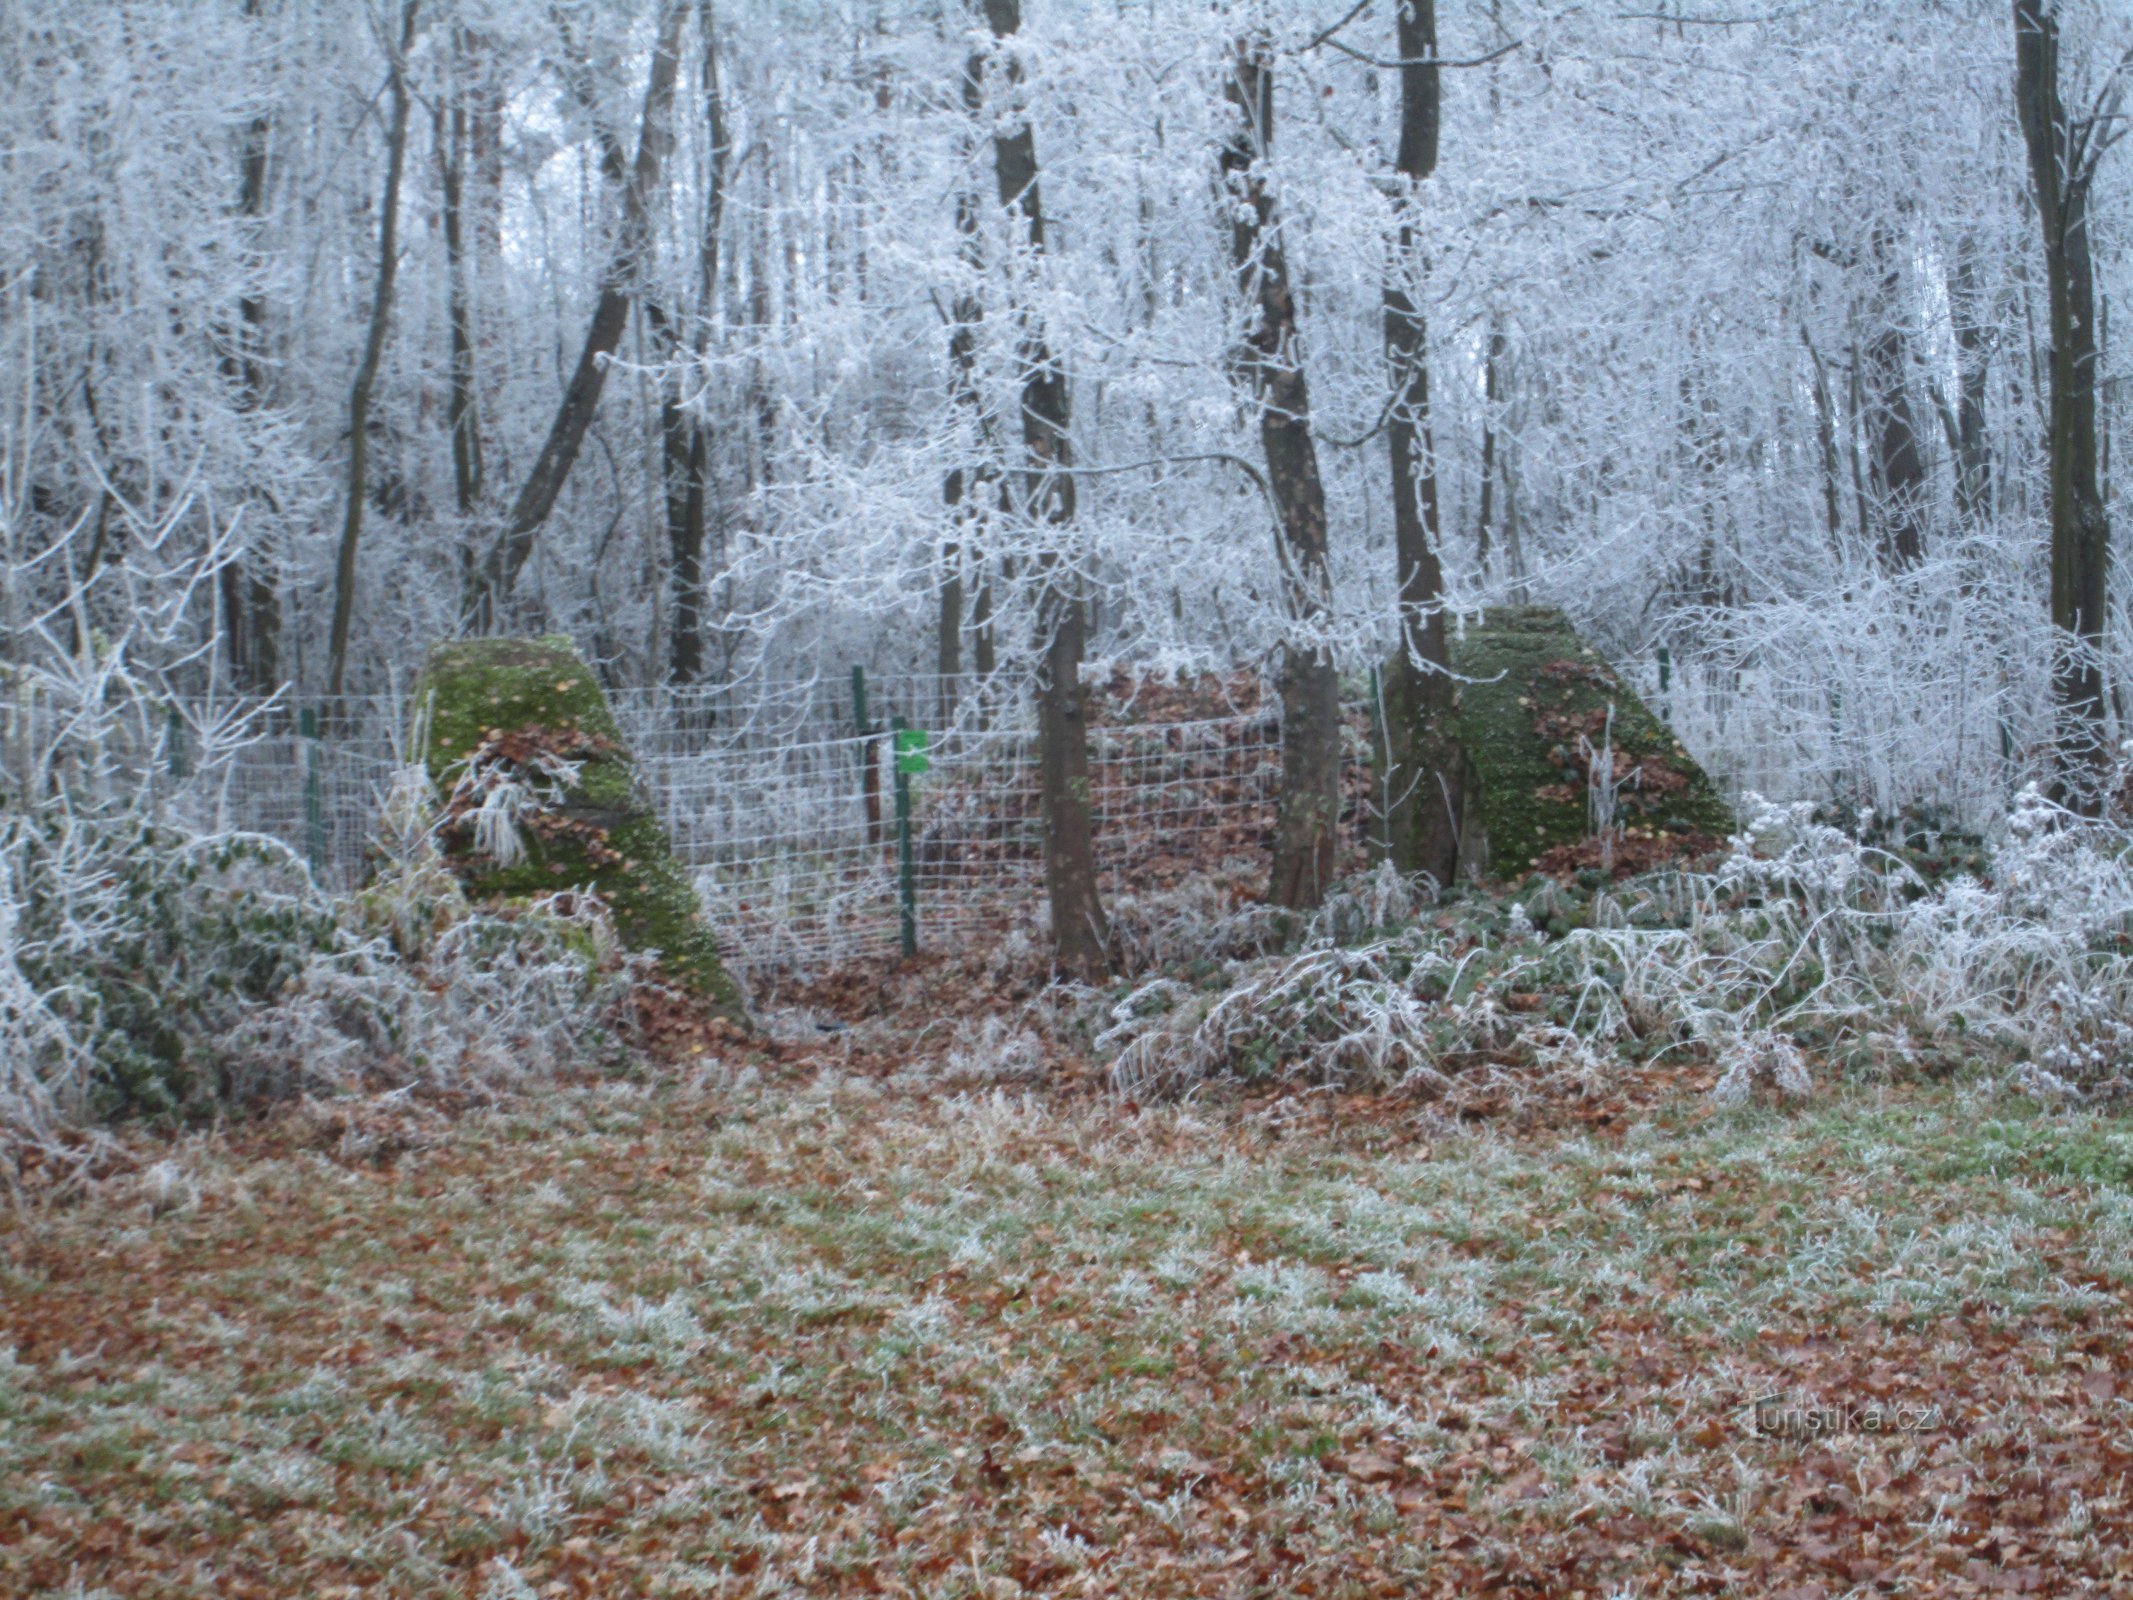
{"points": [[787, 818], [785, 812]]}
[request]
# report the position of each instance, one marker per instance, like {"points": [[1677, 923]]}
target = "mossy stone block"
{"points": [[1530, 684], [603, 834]]}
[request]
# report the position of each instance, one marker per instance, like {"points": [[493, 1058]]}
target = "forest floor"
{"points": [[805, 1328]]}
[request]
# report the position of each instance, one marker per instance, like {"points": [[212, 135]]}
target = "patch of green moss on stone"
{"points": [[474, 689], [1498, 716]]}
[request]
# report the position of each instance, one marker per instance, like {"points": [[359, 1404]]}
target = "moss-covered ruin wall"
{"points": [[532, 703], [1531, 688]]}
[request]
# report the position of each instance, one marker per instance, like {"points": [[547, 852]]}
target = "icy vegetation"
{"points": [[705, 355], [1802, 946], [1009, 798], [154, 963]]}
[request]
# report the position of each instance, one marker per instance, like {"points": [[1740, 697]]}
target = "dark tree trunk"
{"points": [[461, 414], [1307, 824], [537, 496], [685, 446], [984, 645], [1973, 451], [762, 402], [1897, 470], [1491, 399], [1423, 772], [366, 378], [2062, 163], [251, 589], [1080, 938], [1826, 444], [967, 488]]}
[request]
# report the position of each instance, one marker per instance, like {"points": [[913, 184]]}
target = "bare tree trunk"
{"points": [[460, 412], [1491, 398], [1973, 451], [2062, 161], [1423, 779], [251, 591], [762, 404], [948, 637], [1307, 824], [966, 488], [984, 645], [1897, 471], [344, 570], [685, 444], [1826, 444], [1080, 938], [537, 496]]}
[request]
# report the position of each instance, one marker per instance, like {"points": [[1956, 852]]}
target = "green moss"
{"points": [[1500, 719], [475, 687]]}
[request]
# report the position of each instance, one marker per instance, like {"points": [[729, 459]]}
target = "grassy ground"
{"points": [[816, 1335]]}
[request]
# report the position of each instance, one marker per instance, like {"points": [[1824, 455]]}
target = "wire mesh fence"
{"points": [[782, 798], [788, 815]]}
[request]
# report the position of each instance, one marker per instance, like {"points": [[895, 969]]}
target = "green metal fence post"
{"points": [[314, 802], [1666, 680], [906, 873]]}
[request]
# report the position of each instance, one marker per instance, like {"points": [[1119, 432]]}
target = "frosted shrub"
{"points": [[145, 942], [207, 971], [1804, 944], [1804, 933], [1202, 919], [45, 1069], [1759, 1058], [149, 969], [1381, 1013], [1364, 906]]}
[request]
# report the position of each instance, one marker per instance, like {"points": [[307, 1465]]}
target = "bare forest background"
{"points": [[746, 342]]}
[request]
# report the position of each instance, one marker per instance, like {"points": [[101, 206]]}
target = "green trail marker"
{"points": [[911, 758]]}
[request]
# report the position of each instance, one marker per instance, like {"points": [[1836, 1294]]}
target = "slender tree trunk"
{"points": [[1854, 450], [967, 487], [1307, 824], [1080, 938], [2062, 166], [1898, 471], [1826, 444], [460, 413], [762, 403], [251, 590], [1423, 780], [566, 436], [984, 644], [344, 570], [1491, 398], [1973, 450], [685, 446]]}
